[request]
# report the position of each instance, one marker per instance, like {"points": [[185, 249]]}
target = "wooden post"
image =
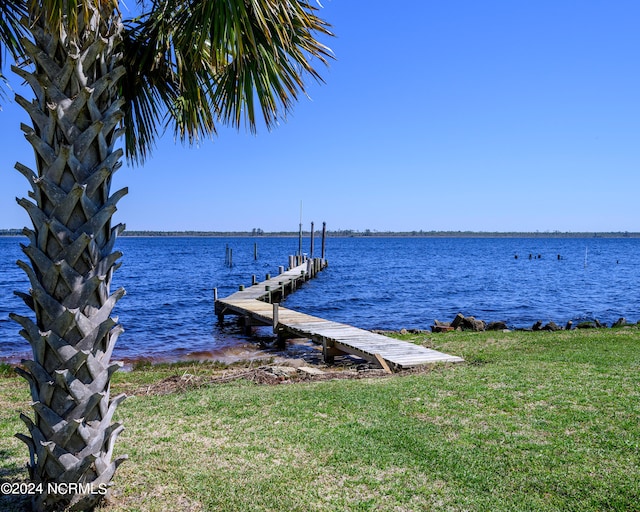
{"points": [[277, 331], [241, 287], [327, 353], [268, 276], [311, 248], [255, 250], [324, 237], [309, 269], [280, 270], [383, 364], [275, 317], [291, 261], [215, 294], [254, 280], [230, 257]]}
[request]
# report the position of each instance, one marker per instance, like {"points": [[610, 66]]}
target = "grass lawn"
{"points": [[532, 421]]}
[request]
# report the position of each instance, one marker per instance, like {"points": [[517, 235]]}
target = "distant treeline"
{"points": [[373, 233]]}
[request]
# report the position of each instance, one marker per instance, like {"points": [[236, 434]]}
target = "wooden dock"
{"points": [[259, 305]]}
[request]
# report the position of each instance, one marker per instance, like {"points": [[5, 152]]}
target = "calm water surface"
{"points": [[373, 283]]}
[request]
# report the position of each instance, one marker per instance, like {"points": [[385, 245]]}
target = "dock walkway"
{"points": [[259, 305]]}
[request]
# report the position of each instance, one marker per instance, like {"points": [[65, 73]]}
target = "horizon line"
{"points": [[366, 233]]}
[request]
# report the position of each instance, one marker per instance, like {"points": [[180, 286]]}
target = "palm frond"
{"points": [[148, 87], [66, 13], [261, 51], [11, 30], [196, 63]]}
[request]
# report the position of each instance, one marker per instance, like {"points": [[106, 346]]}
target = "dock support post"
{"points": [[324, 237], [276, 309], [282, 339], [254, 280], [383, 364], [255, 250], [218, 313], [311, 248], [327, 353]]}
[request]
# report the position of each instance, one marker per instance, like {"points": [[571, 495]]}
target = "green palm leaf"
{"points": [[194, 64], [11, 12]]}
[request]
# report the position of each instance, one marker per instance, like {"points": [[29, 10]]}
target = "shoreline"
{"points": [[364, 234], [300, 351]]}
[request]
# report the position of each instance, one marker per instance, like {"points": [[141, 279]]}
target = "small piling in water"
{"points": [[228, 256], [311, 248], [324, 237]]}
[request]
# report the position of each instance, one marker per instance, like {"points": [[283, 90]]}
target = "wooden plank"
{"points": [[382, 363]]}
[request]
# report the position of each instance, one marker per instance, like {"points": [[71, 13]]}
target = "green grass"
{"points": [[532, 421]]}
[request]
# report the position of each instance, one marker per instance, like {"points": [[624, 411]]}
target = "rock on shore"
{"points": [[470, 323]]}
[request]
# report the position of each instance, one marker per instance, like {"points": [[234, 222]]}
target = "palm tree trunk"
{"points": [[76, 115]]}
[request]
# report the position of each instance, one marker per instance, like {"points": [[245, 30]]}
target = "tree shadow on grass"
{"points": [[13, 474]]}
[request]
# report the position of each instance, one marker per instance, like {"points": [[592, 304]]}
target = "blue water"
{"points": [[373, 283]]}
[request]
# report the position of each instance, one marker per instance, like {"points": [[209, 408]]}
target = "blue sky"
{"points": [[499, 115]]}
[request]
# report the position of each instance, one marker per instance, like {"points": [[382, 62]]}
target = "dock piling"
{"points": [[276, 307], [324, 237]]}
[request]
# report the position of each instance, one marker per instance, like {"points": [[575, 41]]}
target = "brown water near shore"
{"points": [[301, 350]]}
